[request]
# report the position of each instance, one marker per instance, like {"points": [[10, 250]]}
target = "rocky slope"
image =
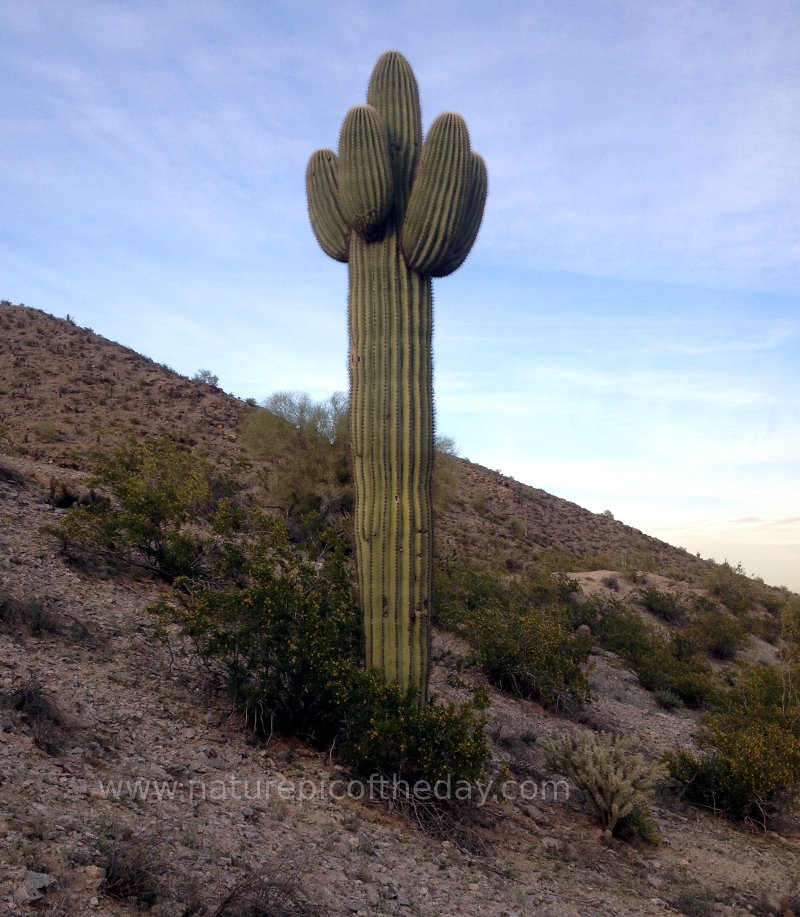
{"points": [[97, 712]]}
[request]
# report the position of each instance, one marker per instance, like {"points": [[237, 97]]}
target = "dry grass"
{"points": [[41, 713], [275, 895]]}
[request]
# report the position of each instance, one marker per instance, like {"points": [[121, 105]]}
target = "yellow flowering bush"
{"points": [[159, 491], [752, 767], [283, 623], [518, 628]]}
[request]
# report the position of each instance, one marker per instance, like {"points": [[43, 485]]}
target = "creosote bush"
{"points": [[518, 628], [162, 502], [615, 783], [751, 767], [282, 622], [665, 605], [674, 665]]}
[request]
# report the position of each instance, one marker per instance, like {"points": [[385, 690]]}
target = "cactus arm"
{"points": [[365, 172], [464, 239], [439, 193], [394, 93], [329, 225]]}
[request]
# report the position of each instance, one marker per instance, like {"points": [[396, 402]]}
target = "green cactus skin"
{"points": [[399, 212]]}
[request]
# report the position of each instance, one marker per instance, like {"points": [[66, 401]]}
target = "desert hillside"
{"points": [[129, 781], [66, 391]]}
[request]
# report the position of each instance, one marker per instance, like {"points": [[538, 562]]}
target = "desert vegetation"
{"points": [[213, 560]]}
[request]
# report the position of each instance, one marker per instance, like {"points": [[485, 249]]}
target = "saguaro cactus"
{"points": [[399, 212]]}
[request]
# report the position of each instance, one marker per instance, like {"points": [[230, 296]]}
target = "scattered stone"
{"points": [[34, 885]]}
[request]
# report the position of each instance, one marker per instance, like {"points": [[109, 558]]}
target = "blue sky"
{"points": [[626, 331]]}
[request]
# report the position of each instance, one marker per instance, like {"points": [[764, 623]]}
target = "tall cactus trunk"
{"points": [[391, 435], [399, 212]]}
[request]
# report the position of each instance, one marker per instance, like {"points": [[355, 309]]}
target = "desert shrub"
{"points": [[31, 615], [668, 665], [730, 586], [751, 768], [302, 447], [716, 631], [639, 824], [133, 870], [611, 581], [40, 713], [517, 627], [667, 699], [206, 377], [276, 895], [615, 783], [282, 622], [161, 497], [665, 605]]}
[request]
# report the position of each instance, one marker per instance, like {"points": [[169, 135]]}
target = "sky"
{"points": [[625, 333]]}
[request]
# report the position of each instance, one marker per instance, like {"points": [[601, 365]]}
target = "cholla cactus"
{"points": [[614, 782], [399, 212]]}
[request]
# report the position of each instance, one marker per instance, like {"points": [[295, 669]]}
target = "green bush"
{"points": [[751, 769], [614, 782], [730, 586], [158, 515], [665, 665], [665, 605], [517, 627], [715, 631], [303, 450], [283, 623]]}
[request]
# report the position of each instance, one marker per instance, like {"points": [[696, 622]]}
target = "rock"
{"points": [[34, 884], [403, 900], [536, 814], [353, 842]]}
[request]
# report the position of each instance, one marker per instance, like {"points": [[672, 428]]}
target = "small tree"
{"points": [[206, 377], [303, 447]]}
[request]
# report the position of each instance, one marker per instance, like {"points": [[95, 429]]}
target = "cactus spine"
{"points": [[398, 212]]}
